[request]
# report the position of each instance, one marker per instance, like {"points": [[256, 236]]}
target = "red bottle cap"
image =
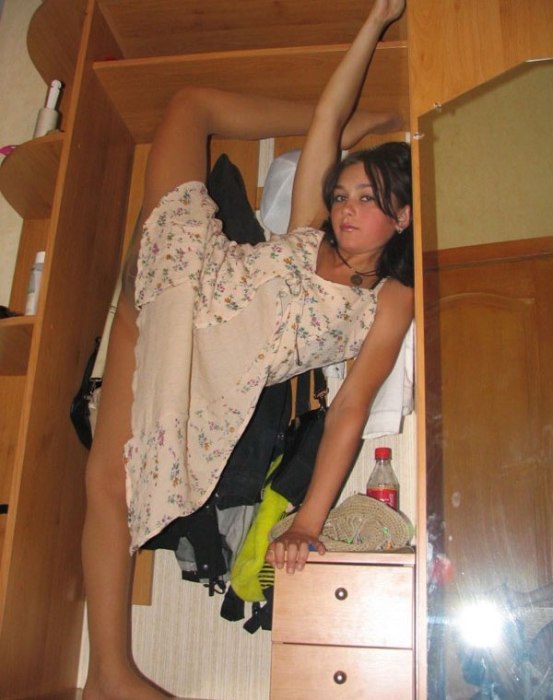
{"points": [[383, 453]]}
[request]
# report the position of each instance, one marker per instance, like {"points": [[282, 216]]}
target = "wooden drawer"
{"points": [[353, 605], [301, 672]]}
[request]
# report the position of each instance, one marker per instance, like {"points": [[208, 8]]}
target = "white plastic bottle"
{"points": [[48, 116], [34, 284]]}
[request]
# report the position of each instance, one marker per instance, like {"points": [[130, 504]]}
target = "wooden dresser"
{"points": [[343, 628]]}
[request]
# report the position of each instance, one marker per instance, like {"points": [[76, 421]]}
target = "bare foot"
{"points": [[130, 687]]}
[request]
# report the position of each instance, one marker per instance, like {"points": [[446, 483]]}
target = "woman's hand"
{"points": [[292, 549], [388, 10]]}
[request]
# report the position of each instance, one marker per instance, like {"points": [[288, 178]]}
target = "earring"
{"points": [[399, 230]]}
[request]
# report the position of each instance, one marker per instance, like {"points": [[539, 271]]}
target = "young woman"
{"points": [[204, 324]]}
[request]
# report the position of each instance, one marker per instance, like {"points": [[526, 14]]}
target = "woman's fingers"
{"points": [[291, 551]]}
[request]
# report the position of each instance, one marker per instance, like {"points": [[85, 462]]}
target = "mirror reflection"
{"points": [[487, 187]]}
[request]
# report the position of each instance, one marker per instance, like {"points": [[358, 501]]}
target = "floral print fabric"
{"points": [[217, 322]]}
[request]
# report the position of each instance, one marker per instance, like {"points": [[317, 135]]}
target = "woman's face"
{"points": [[359, 225]]}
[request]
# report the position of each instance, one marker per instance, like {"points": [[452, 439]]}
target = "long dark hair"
{"points": [[388, 167]]}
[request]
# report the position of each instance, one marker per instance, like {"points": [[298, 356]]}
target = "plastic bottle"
{"points": [[383, 484], [48, 116], [34, 284]]}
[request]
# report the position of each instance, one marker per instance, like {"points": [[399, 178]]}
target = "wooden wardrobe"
{"points": [[78, 191]]}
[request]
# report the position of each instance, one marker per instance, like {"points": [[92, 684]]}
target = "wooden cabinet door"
{"points": [[490, 411], [495, 372]]}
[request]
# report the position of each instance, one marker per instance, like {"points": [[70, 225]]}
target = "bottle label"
{"points": [[389, 496]]}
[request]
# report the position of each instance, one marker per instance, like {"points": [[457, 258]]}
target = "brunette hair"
{"points": [[388, 167]]}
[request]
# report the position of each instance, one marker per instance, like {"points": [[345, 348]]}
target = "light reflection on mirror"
{"points": [[487, 190], [481, 624]]}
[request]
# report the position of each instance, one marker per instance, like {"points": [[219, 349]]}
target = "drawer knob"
{"points": [[341, 593], [340, 677]]}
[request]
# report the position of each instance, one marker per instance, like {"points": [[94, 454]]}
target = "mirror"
{"points": [[487, 191]]}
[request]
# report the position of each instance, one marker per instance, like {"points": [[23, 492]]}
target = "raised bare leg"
{"points": [[106, 560], [179, 151]]}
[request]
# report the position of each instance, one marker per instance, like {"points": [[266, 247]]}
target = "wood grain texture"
{"points": [[455, 46], [34, 237], [489, 337], [41, 577], [171, 27], [376, 611], [304, 672], [15, 343], [264, 72], [53, 39], [28, 176]]}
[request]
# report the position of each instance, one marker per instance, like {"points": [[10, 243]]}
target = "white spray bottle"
{"points": [[48, 116]]}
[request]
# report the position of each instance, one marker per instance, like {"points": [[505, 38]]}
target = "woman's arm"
{"points": [[179, 149], [332, 113], [344, 424]]}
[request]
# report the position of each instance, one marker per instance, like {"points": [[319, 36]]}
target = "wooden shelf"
{"points": [[28, 176], [53, 39], [141, 88], [145, 28], [15, 342]]}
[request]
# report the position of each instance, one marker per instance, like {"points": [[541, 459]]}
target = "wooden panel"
{"points": [[43, 581], [15, 343], [28, 176], [377, 609], [489, 252], [495, 377], [53, 40], [34, 236], [302, 672], [11, 395], [164, 27], [136, 191], [455, 46], [490, 409], [143, 578], [265, 72]]}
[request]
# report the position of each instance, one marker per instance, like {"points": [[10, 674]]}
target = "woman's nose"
{"points": [[349, 205]]}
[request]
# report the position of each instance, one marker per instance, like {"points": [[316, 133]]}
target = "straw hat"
{"points": [[359, 524]]}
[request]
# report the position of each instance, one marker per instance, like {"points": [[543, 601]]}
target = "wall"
{"points": [[503, 128], [23, 92]]}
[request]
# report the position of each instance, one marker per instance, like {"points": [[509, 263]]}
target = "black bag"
{"points": [[301, 444], [79, 412]]}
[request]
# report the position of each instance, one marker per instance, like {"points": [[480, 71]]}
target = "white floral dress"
{"points": [[217, 322]]}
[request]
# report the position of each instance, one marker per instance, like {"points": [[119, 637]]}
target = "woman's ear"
{"points": [[404, 217]]}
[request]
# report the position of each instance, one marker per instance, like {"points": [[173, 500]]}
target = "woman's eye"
{"points": [[338, 198], [367, 198]]}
